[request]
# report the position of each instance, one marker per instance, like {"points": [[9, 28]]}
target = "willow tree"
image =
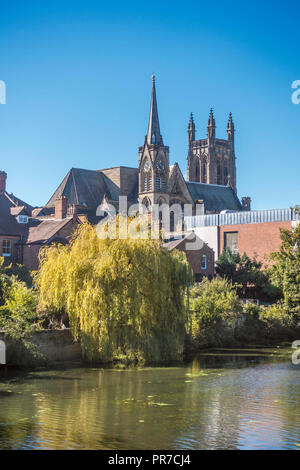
{"points": [[124, 297]]}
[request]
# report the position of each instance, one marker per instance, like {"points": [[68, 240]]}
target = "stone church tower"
{"points": [[211, 160], [153, 160]]}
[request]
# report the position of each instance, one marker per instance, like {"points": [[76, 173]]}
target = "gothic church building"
{"points": [[211, 175]]}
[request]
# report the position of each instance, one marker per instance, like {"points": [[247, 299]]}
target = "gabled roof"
{"points": [[177, 182], [183, 243], [43, 230], [17, 210], [18, 202], [216, 197], [10, 207], [85, 188], [42, 211]]}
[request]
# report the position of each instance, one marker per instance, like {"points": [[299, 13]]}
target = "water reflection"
{"points": [[213, 403]]}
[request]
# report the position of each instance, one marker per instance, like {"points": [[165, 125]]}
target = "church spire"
{"points": [[211, 128], [230, 129], [153, 135], [191, 129]]}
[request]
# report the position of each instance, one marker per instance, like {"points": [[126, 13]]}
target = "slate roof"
{"points": [[9, 209], [43, 230], [216, 197], [86, 188], [17, 210], [180, 242]]}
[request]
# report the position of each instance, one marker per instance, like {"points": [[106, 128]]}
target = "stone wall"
{"points": [[55, 346]]}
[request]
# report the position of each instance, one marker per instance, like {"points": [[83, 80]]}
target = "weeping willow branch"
{"points": [[121, 296]]}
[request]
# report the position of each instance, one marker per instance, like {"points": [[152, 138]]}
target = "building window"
{"points": [[197, 171], [147, 203], [19, 254], [225, 175], [147, 183], [219, 180], [160, 183], [6, 248], [204, 262], [204, 172], [22, 219], [231, 241]]}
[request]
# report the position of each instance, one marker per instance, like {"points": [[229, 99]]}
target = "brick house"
{"points": [[24, 229], [199, 255]]}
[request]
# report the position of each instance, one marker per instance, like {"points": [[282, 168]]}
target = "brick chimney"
{"points": [[3, 177], [61, 206]]}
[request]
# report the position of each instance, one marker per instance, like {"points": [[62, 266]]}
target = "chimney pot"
{"points": [[3, 177]]}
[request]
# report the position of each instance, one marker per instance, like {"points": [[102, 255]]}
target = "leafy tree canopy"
{"points": [[122, 296], [246, 272], [285, 272]]}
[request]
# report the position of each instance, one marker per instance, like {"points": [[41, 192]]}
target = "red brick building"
{"points": [[199, 255], [24, 229], [257, 240], [256, 233]]}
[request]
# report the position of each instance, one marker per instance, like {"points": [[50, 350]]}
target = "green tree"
{"points": [[285, 272], [124, 297], [214, 308], [18, 313], [245, 272]]}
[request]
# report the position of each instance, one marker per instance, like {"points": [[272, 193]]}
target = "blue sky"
{"points": [[78, 76]]}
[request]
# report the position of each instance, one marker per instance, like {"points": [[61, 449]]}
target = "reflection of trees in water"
{"points": [[17, 422], [191, 407], [212, 410]]}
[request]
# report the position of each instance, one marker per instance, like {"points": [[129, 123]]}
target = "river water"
{"points": [[219, 401]]}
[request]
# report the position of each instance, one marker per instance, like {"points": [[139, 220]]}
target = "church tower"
{"points": [[212, 160], [153, 160]]}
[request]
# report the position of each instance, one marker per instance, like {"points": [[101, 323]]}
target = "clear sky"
{"points": [[78, 77]]}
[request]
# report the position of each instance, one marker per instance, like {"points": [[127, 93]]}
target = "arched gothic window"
{"points": [[219, 176], [160, 182], [147, 203], [197, 171], [147, 182], [146, 177], [225, 172], [204, 175]]}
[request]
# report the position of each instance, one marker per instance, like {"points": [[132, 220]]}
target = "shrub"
{"points": [[18, 317], [214, 309]]}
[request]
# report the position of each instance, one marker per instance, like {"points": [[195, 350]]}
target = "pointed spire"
{"points": [[230, 124], [191, 130], [211, 119], [230, 128], [191, 123], [153, 135], [211, 128]]}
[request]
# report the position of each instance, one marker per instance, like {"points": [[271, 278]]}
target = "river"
{"points": [[223, 400]]}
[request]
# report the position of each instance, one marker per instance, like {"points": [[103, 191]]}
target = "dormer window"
{"points": [[22, 219]]}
